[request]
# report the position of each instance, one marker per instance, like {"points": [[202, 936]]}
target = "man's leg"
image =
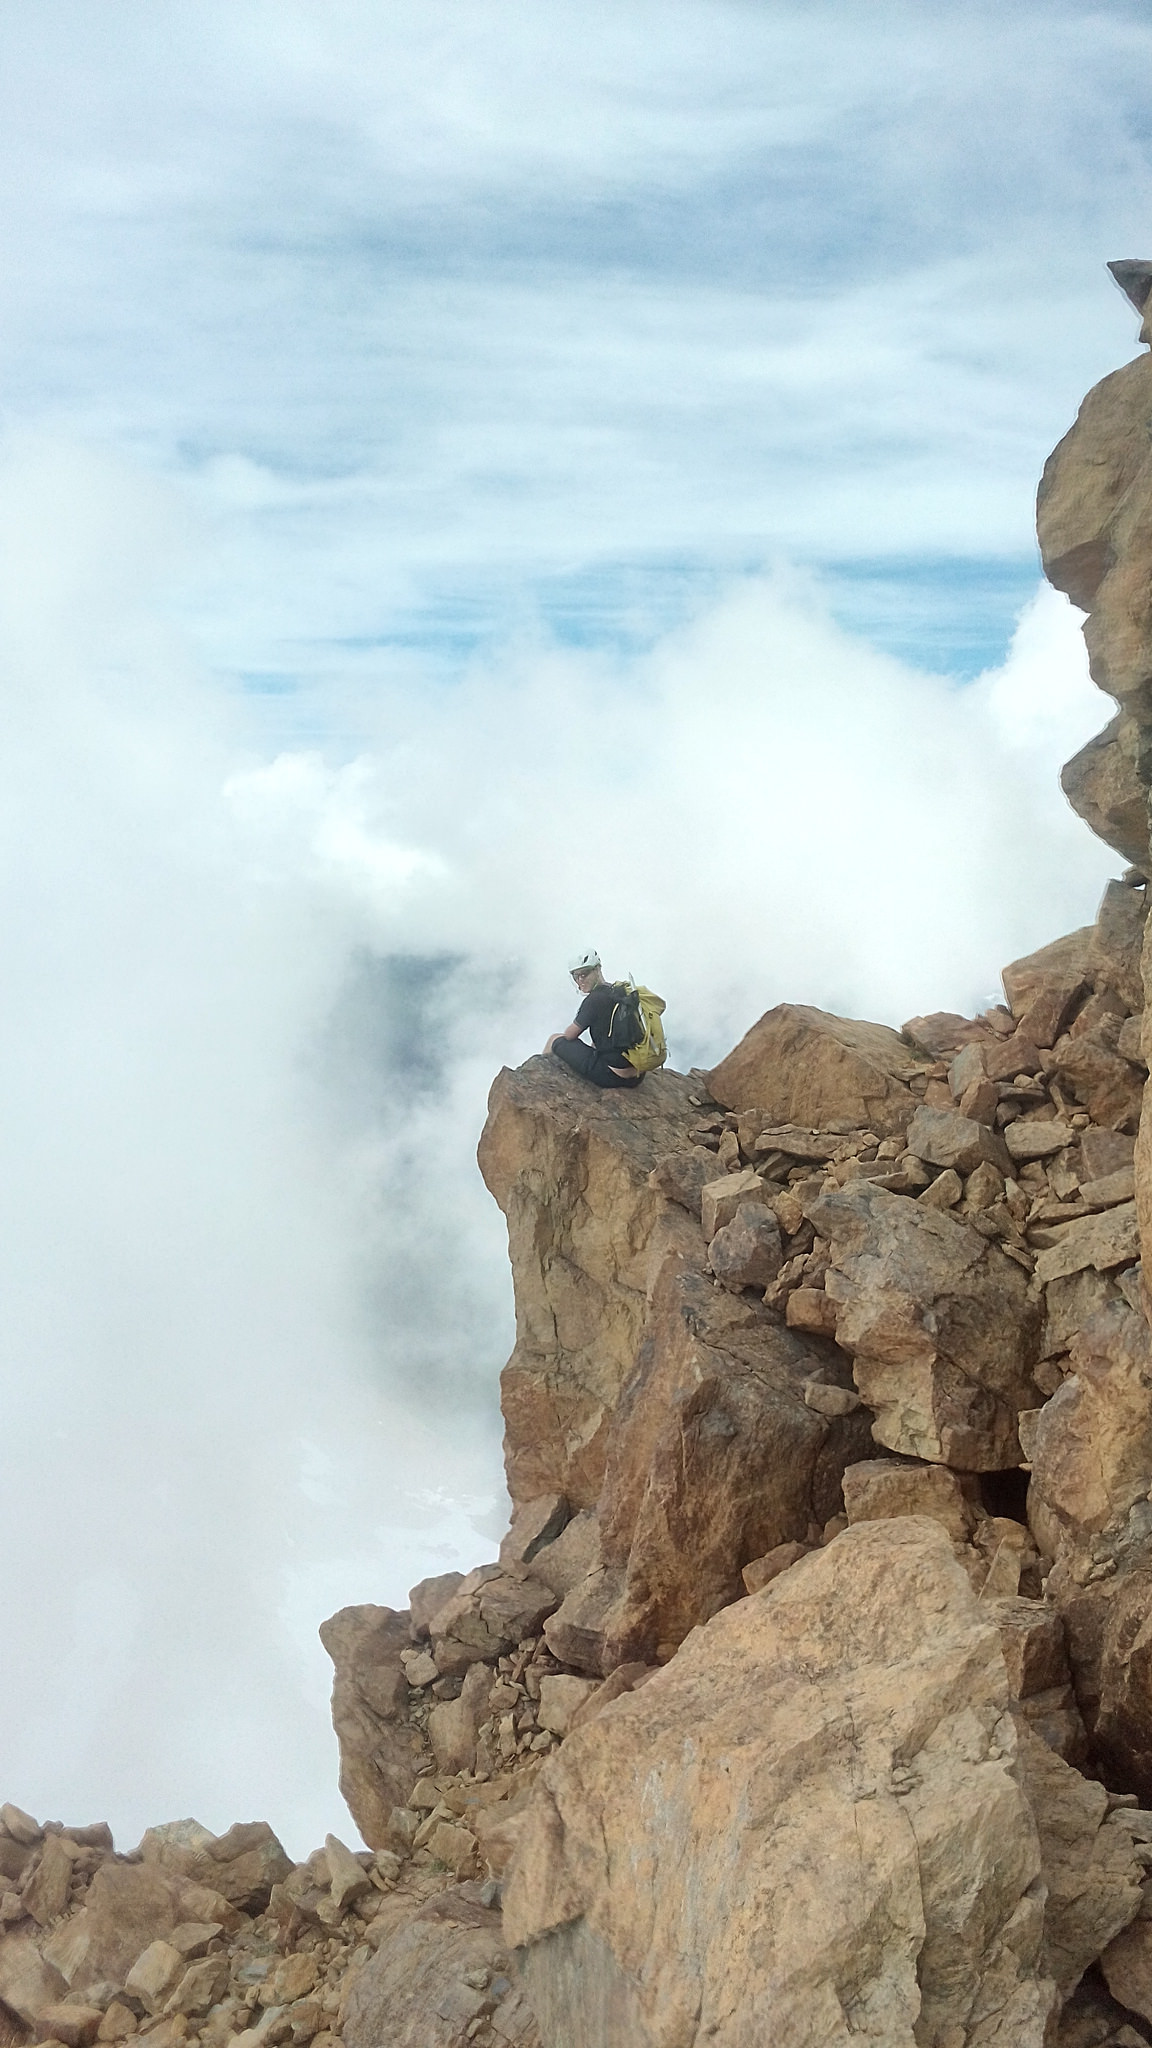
{"points": [[575, 1054], [591, 1065]]}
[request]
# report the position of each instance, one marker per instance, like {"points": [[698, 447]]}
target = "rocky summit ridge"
{"points": [[809, 1700]]}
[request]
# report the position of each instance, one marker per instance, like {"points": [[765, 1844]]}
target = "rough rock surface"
{"points": [[369, 1701], [777, 1837], [569, 1167], [938, 1323], [800, 1065], [1104, 784], [716, 1458]]}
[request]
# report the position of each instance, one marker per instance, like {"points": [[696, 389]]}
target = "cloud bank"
{"points": [[255, 1295]]}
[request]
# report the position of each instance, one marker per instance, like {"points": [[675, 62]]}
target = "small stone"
{"points": [[809, 1308], [192, 1937], [1027, 1141], [45, 1890], [1106, 1193], [348, 1880], [73, 2025], [720, 1199], [1103, 1152], [1051, 1011], [155, 1974], [453, 1846], [1015, 1055], [943, 1137], [429, 1596], [291, 1978], [201, 1986], [967, 1068], [1130, 1040], [877, 1488], [419, 1667], [747, 1252], [763, 1570], [1103, 1241], [980, 1101], [983, 1187], [118, 2024], [945, 1191], [561, 1697], [829, 1400]]}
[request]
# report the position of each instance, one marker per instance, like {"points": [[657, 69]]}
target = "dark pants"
{"points": [[594, 1066]]}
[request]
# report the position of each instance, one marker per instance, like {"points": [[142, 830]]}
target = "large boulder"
{"points": [[806, 1829], [1086, 1855], [128, 1906], [1094, 523], [1109, 1625], [1091, 1444], [938, 1322], [715, 1459], [28, 1984], [378, 1751], [569, 1166], [1087, 477], [439, 1972], [802, 1066], [1104, 784], [1060, 965]]}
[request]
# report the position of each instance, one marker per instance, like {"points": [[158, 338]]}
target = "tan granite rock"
{"points": [[780, 1837], [1092, 1442], [939, 1324], [803, 1066], [1102, 1241], [378, 1750], [28, 1983], [569, 1166], [430, 1980], [879, 1488], [1064, 961], [715, 1459], [1086, 1858], [1127, 1967]]}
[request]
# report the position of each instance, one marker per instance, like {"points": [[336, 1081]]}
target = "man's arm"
{"points": [[572, 1030]]}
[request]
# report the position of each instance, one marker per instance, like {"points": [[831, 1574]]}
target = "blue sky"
{"points": [[443, 449], [447, 315]]}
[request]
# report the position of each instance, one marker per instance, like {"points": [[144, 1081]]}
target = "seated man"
{"points": [[598, 1062]]}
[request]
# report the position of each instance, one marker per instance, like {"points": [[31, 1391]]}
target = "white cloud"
{"points": [[417, 316]]}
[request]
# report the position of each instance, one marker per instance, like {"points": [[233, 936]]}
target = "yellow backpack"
{"points": [[650, 1051]]}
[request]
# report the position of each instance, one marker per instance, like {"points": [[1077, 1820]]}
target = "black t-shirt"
{"points": [[595, 1017]]}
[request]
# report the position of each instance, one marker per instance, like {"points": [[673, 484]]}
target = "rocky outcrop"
{"points": [[569, 1167], [777, 1838], [1093, 515], [369, 1713]]}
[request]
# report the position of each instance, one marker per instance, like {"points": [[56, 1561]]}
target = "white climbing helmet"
{"points": [[584, 961]]}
